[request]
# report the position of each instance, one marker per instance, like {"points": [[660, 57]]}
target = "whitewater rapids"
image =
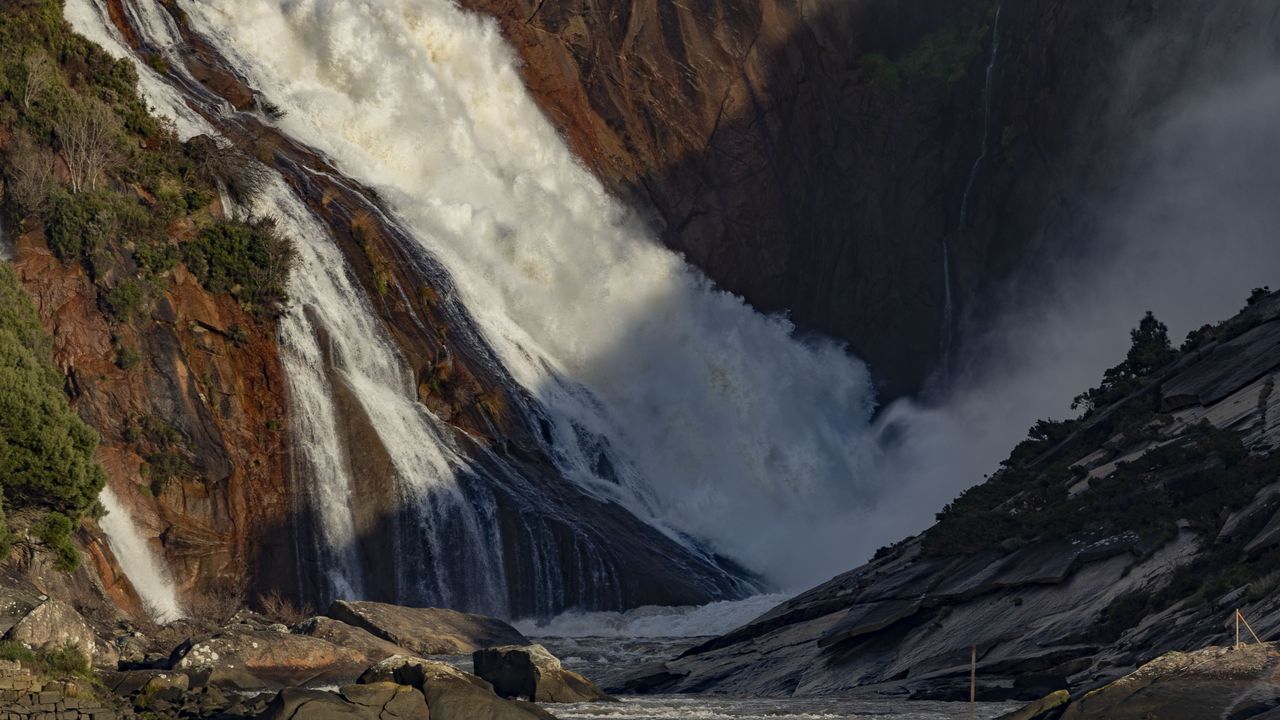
{"points": [[719, 423]]}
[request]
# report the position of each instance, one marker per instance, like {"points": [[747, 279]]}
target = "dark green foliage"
{"points": [[118, 214], [49, 662], [54, 532], [79, 224], [946, 54], [46, 451], [249, 260], [162, 467], [125, 300], [1149, 351], [127, 358], [1233, 328]]}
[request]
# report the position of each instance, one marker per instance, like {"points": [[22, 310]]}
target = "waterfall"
{"points": [[146, 575], [654, 390], [717, 422], [948, 310]]}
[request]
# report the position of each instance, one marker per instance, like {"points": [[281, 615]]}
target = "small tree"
{"points": [[1151, 349], [89, 136], [31, 174], [37, 76]]}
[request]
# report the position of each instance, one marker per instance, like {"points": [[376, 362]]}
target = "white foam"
{"points": [[715, 618], [720, 423]]}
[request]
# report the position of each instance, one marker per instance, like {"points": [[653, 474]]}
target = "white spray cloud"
{"points": [[1194, 228]]}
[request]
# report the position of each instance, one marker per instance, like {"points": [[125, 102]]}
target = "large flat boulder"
{"points": [[244, 657], [532, 672], [451, 693], [348, 636], [378, 701], [427, 631]]}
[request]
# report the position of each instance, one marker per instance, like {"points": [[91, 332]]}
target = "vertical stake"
{"points": [[1237, 628], [973, 678]]}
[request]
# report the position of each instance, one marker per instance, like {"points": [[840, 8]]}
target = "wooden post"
{"points": [[1237, 629], [973, 678], [1246, 627]]}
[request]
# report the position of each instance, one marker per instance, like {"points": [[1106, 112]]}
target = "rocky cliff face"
{"points": [[813, 157], [1100, 544], [204, 402]]}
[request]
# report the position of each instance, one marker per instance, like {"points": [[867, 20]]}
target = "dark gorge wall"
{"points": [[813, 156]]}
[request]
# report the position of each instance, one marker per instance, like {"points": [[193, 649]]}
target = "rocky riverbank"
{"points": [[358, 660], [1216, 682]]}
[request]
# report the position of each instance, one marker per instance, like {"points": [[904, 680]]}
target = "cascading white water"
{"points": [[723, 426], [331, 335], [147, 577]]}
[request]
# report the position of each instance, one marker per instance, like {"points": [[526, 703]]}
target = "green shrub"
{"points": [[125, 300], [54, 532], [251, 261], [66, 661], [163, 467], [128, 358], [79, 224], [46, 450]]}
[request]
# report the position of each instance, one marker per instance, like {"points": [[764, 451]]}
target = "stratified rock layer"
{"points": [[1075, 606]]}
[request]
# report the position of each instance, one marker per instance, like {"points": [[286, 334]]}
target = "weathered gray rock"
{"points": [[530, 671], [1215, 682], [381, 701], [1229, 367], [451, 694], [55, 624], [427, 631], [242, 657], [347, 636]]}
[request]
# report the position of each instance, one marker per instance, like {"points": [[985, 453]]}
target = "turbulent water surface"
{"points": [[675, 707]]}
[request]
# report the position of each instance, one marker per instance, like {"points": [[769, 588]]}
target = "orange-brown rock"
{"points": [[206, 394]]}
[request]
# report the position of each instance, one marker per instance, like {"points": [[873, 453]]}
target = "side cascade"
{"points": [[948, 303]]}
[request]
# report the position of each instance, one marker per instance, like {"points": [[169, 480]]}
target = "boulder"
{"points": [[1050, 707], [246, 658], [380, 701], [427, 631], [530, 671], [451, 694], [417, 672], [344, 635], [55, 624], [1210, 683]]}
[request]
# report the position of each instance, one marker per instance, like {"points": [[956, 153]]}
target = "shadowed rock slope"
{"points": [[1100, 543], [814, 156]]}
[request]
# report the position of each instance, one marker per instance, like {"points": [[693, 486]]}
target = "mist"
{"points": [[1194, 228]]}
